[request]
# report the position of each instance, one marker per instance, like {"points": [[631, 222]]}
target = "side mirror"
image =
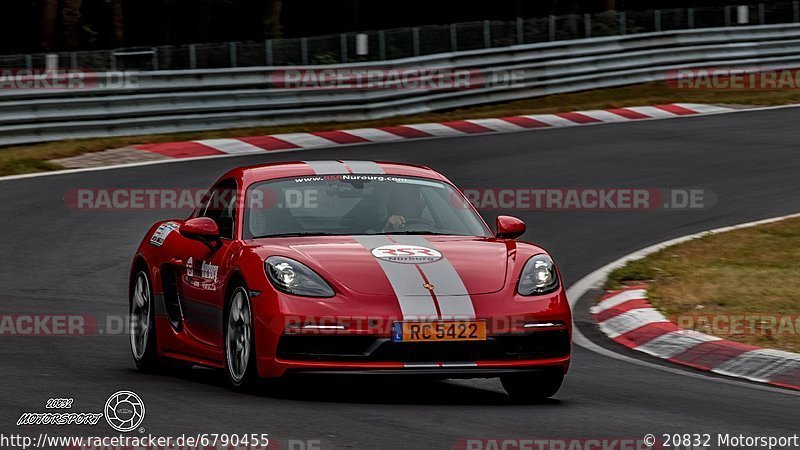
{"points": [[202, 229], [509, 227]]}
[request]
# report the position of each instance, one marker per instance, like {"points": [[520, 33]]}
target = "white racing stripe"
{"points": [[416, 303], [327, 167], [451, 294], [368, 167]]}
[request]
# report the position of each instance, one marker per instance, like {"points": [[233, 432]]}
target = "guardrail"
{"points": [[178, 101]]}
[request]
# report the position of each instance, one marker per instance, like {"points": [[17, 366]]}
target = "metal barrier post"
{"points": [[415, 40], [343, 48], [382, 45], [587, 25], [521, 31], [234, 58], [796, 11], [727, 15], [193, 56], [487, 34], [268, 51], [453, 38], [304, 51], [622, 22], [761, 14], [690, 18], [552, 27], [657, 19]]}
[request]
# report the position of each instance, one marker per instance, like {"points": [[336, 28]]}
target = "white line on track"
{"points": [[596, 279]]}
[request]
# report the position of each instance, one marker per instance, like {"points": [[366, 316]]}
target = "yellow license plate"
{"points": [[439, 331]]}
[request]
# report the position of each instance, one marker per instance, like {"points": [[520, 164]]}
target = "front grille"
{"points": [[537, 345]]}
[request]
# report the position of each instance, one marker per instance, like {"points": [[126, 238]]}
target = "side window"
{"points": [[220, 206]]}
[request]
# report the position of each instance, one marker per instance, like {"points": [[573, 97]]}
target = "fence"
{"points": [[413, 42], [190, 100]]}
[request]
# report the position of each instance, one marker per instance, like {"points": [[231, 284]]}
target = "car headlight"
{"points": [[292, 277], [538, 276]]}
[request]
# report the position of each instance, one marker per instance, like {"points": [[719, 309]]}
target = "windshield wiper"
{"points": [[297, 234]]}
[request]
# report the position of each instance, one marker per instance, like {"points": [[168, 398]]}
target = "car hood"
{"points": [[465, 265]]}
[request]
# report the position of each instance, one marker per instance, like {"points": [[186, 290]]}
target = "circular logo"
{"points": [[406, 254], [124, 411]]}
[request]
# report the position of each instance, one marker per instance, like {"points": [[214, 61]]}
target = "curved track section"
{"points": [[58, 260]]}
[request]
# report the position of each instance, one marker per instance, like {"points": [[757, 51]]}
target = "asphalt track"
{"points": [[57, 260]]}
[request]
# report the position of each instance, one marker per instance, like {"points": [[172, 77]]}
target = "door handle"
{"points": [[177, 261]]}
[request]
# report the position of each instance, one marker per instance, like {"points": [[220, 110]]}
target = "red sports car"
{"points": [[348, 267]]}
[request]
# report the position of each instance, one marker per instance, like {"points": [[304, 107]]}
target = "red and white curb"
{"points": [[628, 318], [320, 139]]}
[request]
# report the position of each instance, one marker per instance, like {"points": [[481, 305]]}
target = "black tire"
{"points": [[145, 354], [239, 378], [532, 387]]}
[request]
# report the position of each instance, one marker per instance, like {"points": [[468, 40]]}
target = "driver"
{"points": [[403, 205]]}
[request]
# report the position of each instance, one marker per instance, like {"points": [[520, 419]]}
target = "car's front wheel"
{"points": [[240, 355], [142, 323], [532, 387]]}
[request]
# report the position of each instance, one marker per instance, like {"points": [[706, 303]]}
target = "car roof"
{"points": [[271, 171]]}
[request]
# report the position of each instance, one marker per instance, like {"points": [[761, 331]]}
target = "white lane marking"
{"points": [[368, 167], [652, 112], [231, 146], [305, 140], [596, 279], [327, 167], [616, 300], [374, 134], [498, 125], [631, 320], [675, 342], [553, 120], [437, 129]]}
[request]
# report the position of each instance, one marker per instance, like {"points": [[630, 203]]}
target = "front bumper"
{"points": [[363, 344]]}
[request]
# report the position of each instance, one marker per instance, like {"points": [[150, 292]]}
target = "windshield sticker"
{"points": [[162, 232]]}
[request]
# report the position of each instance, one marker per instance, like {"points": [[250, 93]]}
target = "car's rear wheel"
{"points": [[240, 355], [532, 387], [142, 323]]}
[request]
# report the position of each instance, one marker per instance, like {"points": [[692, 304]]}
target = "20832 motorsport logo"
{"points": [[123, 411]]}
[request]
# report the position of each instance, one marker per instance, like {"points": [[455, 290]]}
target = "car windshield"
{"points": [[357, 205]]}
